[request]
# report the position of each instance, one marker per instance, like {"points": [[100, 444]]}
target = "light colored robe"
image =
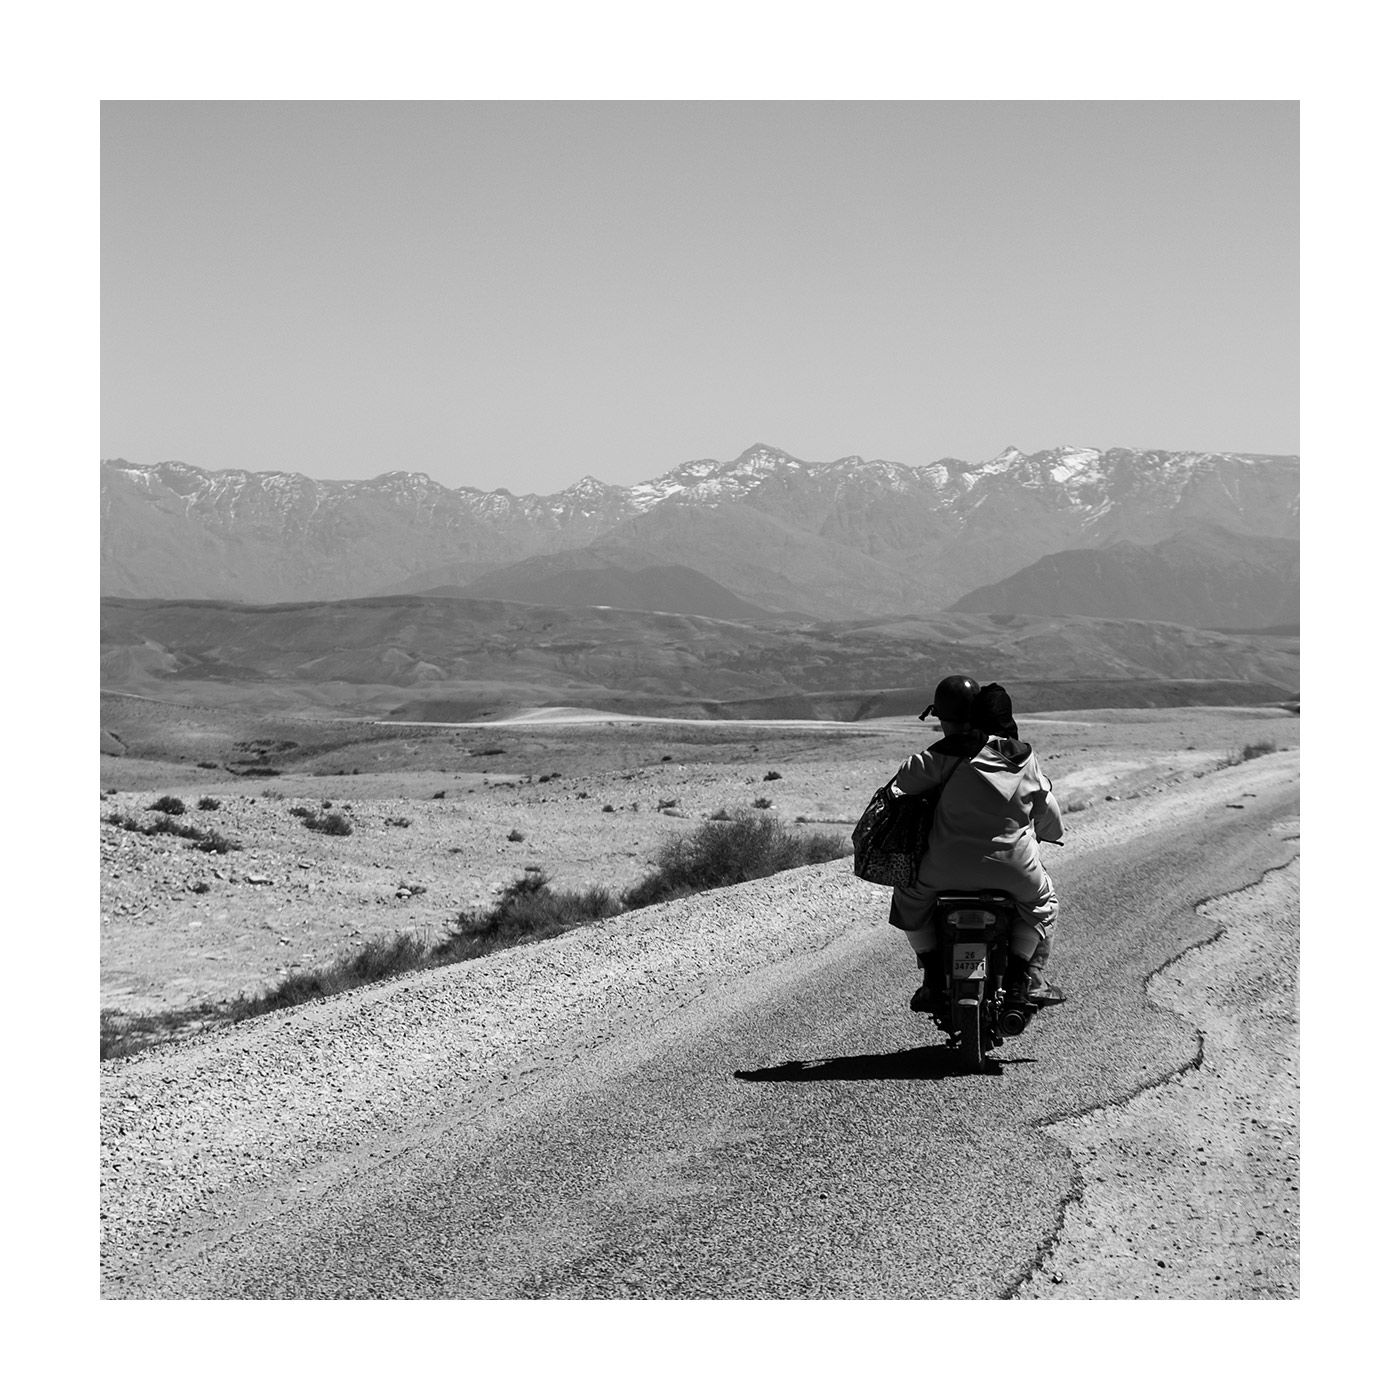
{"points": [[993, 812]]}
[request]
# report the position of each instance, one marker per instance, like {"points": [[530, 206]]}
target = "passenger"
{"points": [[995, 808]]}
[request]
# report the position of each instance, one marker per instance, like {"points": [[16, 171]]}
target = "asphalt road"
{"points": [[801, 1135]]}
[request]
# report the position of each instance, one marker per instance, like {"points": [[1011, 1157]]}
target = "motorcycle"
{"points": [[973, 928]]}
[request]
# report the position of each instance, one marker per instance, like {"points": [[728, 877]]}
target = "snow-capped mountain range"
{"points": [[844, 538]]}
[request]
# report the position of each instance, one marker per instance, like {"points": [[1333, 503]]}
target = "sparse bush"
{"points": [[720, 816], [213, 844], [1255, 750], [667, 802], [441, 794], [1076, 806], [302, 812], [121, 1034], [173, 805], [720, 854], [209, 841], [528, 911], [396, 821], [329, 824], [384, 957], [515, 835], [200, 887], [326, 804], [204, 763], [763, 803], [771, 776], [208, 804], [745, 848]]}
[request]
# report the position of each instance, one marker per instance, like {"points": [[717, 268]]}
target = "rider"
{"points": [[994, 810]]}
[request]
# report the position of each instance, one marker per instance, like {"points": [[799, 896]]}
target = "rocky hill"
{"points": [[442, 658], [847, 538], [583, 578], [1205, 577]]}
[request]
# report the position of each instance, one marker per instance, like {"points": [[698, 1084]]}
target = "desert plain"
{"points": [[444, 817], [717, 1097]]}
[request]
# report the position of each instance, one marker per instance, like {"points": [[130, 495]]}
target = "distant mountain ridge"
{"points": [[838, 539]]}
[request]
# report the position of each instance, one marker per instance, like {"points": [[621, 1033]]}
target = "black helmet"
{"points": [[953, 698]]}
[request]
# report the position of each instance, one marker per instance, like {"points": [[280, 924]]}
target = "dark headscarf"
{"points": [[991, 712]]}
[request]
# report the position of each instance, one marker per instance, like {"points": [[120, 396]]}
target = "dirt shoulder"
{"points": [[1191, 1189], [243, 1121]]}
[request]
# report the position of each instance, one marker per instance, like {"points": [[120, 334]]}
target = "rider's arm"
{"points": [[1045, 810], [1046, 815], [920, 772]]}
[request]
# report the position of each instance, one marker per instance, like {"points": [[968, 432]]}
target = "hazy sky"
{"points": [[521, 293]]}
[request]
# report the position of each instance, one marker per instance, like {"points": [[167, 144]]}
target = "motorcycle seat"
{"points": [[999, 897]]}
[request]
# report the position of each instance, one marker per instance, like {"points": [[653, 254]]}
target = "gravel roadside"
{"points": [[243, 1119], [1190, 1189]]}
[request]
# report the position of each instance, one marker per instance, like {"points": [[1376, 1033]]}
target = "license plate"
{"points": [[970, 961]]}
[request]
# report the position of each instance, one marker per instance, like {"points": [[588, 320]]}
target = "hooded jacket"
{"points": [[995, 807]]}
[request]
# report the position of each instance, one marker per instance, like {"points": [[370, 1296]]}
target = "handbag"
{"points": [[892, 834]]}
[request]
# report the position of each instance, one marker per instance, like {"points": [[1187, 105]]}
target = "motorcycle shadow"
{"points": [[920, 1062]]}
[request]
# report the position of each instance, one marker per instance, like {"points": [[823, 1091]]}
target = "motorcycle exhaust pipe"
{"points": [[1012, 1021]]}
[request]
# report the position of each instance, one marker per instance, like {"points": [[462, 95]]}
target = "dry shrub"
{"points": [[385, 957], [712, 856], [527, 911], [718, 854]]}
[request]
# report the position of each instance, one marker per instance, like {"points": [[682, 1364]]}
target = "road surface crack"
{"points": [[1078, 1184]]}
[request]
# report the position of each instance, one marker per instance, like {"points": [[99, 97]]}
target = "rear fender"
{"points": [[969, 991]]}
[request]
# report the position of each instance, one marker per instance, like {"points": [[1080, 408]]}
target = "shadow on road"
{"points": [[922, 1062]]}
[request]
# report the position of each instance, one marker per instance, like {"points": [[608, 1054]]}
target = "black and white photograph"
{"points": [[700, 700], [700, 704]]}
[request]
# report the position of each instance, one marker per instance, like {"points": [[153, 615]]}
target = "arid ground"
{"points": [[432, 810], [720, 1097]]}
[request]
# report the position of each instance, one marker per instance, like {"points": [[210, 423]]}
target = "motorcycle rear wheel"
{"points": [[968, 1019]]}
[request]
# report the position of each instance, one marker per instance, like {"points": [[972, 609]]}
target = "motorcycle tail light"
{"points": [[972, 918]]}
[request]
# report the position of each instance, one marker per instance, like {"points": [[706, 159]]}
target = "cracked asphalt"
{"points": [[740, 1106]]}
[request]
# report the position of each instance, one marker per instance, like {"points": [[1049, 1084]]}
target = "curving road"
{"points": [[792, 1133]]}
